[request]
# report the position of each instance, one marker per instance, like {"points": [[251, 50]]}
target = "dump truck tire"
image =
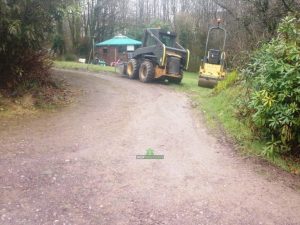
{"points": [[132, 69], [146, 71]]}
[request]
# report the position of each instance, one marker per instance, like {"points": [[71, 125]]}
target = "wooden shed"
{"points": [[119, 48]]}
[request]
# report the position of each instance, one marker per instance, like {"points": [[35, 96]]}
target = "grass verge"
{"points": [[82, 66], [219, 112]]}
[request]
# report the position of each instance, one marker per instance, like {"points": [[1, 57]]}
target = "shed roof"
{"points": [[118, 41]]}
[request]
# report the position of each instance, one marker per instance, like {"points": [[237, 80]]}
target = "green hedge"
{"points": [[272, 102]]}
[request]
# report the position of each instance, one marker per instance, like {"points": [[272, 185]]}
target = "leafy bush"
{"points": [[70, 57], [83, 48], [273, 98], [229, 80], [24, 28], [58, 45]]}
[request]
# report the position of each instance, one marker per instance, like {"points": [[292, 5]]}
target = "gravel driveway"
{"points": [[79, 166]]}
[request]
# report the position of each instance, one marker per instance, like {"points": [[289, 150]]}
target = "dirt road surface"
{"points": [[79, 166]]}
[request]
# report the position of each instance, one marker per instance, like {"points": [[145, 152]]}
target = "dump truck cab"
{"points": [[160, 57]]}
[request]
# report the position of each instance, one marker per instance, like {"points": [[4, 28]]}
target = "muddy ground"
{"points": [[78, 165]]}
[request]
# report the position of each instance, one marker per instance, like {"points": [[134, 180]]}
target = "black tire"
{"points": [[124, 71], [175, 80], [132, 69], [146, 71]]}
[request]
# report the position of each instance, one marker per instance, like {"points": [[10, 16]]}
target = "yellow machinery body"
{"points": [[212, 68], [161, 71], [210, 74], [159, 57]]}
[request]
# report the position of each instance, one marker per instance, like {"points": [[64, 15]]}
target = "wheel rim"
{"points": [[143, 71], [129, 69]]}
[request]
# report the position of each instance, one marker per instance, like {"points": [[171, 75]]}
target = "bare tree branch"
{"points": [[287, 6], [226, 8]]}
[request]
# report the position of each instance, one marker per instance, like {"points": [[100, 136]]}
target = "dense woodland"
{"points": [[263, 43], [248, 22], [69, 26]]}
